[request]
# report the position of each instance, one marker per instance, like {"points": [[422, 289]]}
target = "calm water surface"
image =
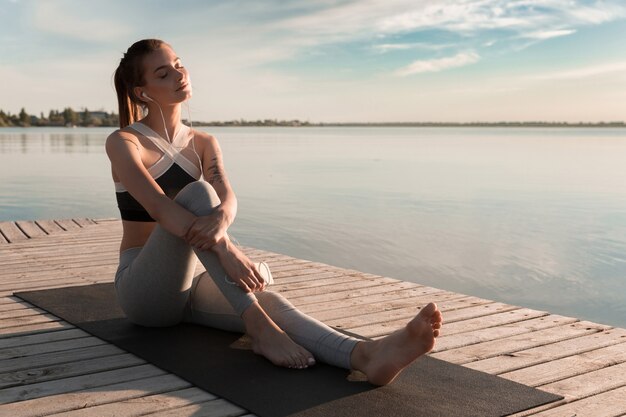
{"points": [[532, 217]]}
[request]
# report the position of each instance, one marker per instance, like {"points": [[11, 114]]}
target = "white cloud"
{"points": [[386, 47], [547, 34], [585, 72], [600, 12], [438, 64], [359, 19]]}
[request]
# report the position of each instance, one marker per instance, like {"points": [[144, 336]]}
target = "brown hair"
{"points": [[129, 74]]}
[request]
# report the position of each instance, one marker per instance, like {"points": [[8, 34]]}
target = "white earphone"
{"points": [[144, 95]]}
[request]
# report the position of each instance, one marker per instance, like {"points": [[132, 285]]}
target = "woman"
{"points": [[176, 206]]}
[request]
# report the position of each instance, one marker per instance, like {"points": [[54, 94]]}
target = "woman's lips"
{"points": [[182, 87]]}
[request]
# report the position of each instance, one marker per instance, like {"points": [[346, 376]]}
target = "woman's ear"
{"points": [[138, 92]]}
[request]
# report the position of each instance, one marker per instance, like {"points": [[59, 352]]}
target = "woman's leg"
{"points": [[380, 360], [210, 308], [154, 287]]}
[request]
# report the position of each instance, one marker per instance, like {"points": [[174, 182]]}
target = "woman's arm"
{"points": [[238, 266], [123, 150], [206, 231], [215, 174]]}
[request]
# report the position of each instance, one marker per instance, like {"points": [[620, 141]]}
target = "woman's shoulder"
{"points": [[202, 135], [120, 138], [205, 139]]}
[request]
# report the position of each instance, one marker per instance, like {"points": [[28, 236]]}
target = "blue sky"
{"points": [[331, 60]]}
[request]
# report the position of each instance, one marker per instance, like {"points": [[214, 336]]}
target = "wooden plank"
{"points": [[70, 384], [381, 297], [607, 404], [121, 391], [53, 358], [11, 232], [310, 276], [21, 354], [144, 405], [50, 272], [31, 229], [106, 220], [526, 327], [445, 301], [70, 238], [41, 279], [556, 370], [23, 321], [341, 292], [84, 222], [494, 320], [34, 328], [67, 224], [63, 248], [316, 286], [11, 314], [216, 408], [381, 329], [509, 345], [49, 226], [45, 285], [592, 383], [41, 338], [524, 358], [66, 370], [11, 306]]}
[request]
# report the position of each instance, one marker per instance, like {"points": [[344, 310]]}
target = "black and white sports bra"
{"points": [[172, 172]]}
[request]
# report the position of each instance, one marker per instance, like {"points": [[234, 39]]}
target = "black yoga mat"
{"points": [[203, 356]]}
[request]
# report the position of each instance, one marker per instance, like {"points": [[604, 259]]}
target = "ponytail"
{"points": [[129, 74]]}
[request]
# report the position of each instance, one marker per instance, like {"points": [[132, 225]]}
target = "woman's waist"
{"points": [[135, 234]]}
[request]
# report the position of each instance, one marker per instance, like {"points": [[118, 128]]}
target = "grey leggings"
{"points": [[156, 286]]}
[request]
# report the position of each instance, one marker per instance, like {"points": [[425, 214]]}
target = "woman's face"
{"points": [[167, 81]]}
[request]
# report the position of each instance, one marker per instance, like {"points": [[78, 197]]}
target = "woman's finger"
{"points": [[249, 282], [259, 278]]}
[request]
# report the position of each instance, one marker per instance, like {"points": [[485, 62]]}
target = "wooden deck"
{"points": [[48, 367]]}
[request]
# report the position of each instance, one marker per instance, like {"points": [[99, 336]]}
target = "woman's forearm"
{"points": [[172, 216], [229, 207]]}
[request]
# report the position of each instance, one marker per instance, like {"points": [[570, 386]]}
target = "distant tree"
{"points": [[24, 118], [86, 118], [70, 117], [4, 121]]}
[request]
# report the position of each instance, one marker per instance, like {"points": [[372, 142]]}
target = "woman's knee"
{"points": [[199, 197], [273, 303]]}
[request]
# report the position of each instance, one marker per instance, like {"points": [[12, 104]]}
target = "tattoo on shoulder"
{"points": [[215, 172]]}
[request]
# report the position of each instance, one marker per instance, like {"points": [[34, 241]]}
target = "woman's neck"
{"points": [[171, 115]]}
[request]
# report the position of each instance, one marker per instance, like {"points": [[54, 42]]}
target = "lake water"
{"points": [[532, 217]]}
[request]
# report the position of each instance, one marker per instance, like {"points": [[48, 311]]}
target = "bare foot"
{"points": [[382, 360], [271, 342]]}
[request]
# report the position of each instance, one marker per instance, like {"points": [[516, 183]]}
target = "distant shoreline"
{"points": [[356, 124], [101, 118], [422, 124]]}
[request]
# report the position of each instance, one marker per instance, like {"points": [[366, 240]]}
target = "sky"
{"points": [[330, 60]]}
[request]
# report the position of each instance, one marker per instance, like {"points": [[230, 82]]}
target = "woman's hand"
{"points": [[206, 231], [239, 268]]}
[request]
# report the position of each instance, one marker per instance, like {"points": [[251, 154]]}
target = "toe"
{"points": [[300, 361]]}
